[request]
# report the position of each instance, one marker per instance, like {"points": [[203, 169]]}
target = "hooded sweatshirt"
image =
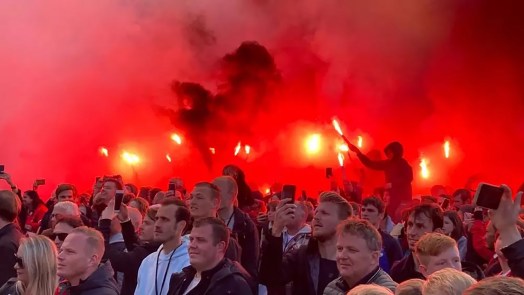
{"points": [[101, 282], [176, 259]]}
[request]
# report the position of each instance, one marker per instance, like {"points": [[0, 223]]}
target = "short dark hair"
{"points": [[72, 221], [458, 227], [65, 187], [375, 202], [464, 194], [432, 211], [8, 205], [181, 213], [35, 198], [219, 228], [363, 229]]}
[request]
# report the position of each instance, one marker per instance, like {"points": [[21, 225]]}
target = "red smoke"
{"points": [[77, 76]]}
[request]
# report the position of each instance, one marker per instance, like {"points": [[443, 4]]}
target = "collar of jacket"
{"points": [[370, 277]]}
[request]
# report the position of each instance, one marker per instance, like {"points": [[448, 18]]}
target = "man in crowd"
{"points": [[460, 198], [210, 272], [10, 235], [172, 219], [312, 266], [398, 173], [241, 225], [59, 211], [63, 228], [79, 263], [359, 245], [297, 232], [373, 210], [436, 251], [422, 219], [205, 202]]}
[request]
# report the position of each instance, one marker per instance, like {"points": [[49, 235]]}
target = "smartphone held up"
{"points": [[119, 197], [488, 196]]}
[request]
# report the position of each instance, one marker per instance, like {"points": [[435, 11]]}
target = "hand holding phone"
{"points": [[488, 196]]}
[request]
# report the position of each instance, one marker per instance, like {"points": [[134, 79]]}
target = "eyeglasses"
{"points": [[60, 236], [19, 261]]}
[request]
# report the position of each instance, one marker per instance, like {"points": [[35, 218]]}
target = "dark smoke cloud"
{"points": [[78, 75]]}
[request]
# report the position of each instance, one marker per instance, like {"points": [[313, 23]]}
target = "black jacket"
{"points": [[300, 266], [9, 288], [376, 277], [404, 270], [246, 233], [392, 249], [127, 262], [101, 282], [514, 253], [10, 237], [228, 277]]}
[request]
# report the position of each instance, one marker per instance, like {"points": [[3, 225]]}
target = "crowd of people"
{"points": [[220, 237]]}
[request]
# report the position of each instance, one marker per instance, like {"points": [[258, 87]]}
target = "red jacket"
{"points": [[34, 218], [478, 235]]}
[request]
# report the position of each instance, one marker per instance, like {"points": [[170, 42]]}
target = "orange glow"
{"points": [[337, 127], [247, 149], [424, 171], [131, 159], [447, 149], [268, 191], [212, 150], [343, 148], [360, 141], [176, 138], [168, 157], [104, 152], [313, 143], [237, 148], [341, 159]]}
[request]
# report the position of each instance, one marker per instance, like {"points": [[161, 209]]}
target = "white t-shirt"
{"points": [[193, 284]]}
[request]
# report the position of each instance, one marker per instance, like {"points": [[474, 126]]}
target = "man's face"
{"points": [[325, 221], [457, 201], [147, 229], [417, 226], [354, 259], [450, 258], [74, 257], [370, 213], [165, 224], [61, 230], [203, 254], [108, 190], [202, 203], [300, 218], [65, 196]]}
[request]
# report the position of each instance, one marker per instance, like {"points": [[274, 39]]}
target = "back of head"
{"points": [[432, 244], [410, 287], [39, 256], [67, 208], [497, 286], [141, 204], [447, 281], [370, 290], [94, 240], [396, 149], [8, 206], [228, 187], [344, 208], [135, 216]]}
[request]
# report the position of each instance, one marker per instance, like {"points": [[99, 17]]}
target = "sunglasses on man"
{"points": [[60, 236]]}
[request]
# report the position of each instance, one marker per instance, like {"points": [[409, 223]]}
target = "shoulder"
{"points": [[384, 280], [334, 288]]}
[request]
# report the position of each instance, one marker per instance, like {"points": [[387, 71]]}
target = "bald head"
{"points": [[228, 190]]}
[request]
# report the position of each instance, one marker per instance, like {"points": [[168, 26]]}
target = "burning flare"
{"points": [[341, 159], [337, 127], [247, 149], [130, 158], [237, 148], [176, 138], [446, 149], [424, 172], [343, 148], [104, 152], [168, 157], [313, 143], [212, 150], [359, 141]]}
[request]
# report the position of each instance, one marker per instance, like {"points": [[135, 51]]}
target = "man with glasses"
{"points": [[64, 227]]}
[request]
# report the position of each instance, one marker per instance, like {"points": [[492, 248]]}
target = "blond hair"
{"points": [[448, 281], [39, 256], [344, 208], [371, 289], [432, 244], [497, 286], [410, 287], [94, 240]]}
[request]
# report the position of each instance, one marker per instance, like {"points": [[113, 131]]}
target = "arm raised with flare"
{"points": [[371, 164]]}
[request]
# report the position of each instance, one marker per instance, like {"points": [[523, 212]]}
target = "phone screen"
{"points": [[40, 181], [288, 192], [488, 196], [118, 199]]}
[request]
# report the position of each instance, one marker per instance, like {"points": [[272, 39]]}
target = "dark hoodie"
{"points": [[101, 282], [228, 277], [397, 172]]}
